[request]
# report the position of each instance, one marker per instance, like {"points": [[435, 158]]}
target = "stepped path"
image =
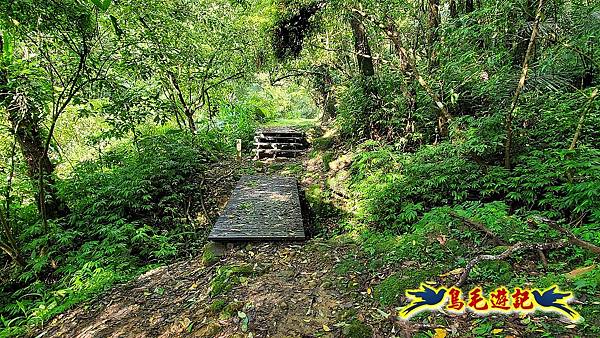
{"points": [[261, 208], [279, 142], [258, 288]]}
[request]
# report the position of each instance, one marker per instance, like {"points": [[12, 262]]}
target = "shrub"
{"points": [[128, 213]]}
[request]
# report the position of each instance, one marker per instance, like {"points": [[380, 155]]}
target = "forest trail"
{"points": [[256, 289], [268, 289], [448, 143], [322, 287]]}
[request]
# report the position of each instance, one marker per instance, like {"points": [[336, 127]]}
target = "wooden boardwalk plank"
{"points": [[261, 208]]}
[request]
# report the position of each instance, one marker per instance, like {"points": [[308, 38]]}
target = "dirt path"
{"points": [[286, 290]]}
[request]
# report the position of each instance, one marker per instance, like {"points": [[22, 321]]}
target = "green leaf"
{"points": [[7, 45], [244, 321], [102, 4]]}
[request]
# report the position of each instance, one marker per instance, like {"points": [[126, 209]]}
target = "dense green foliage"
{"points": [[437, 113]]}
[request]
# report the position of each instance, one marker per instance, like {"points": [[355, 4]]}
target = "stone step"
{"points": [[281, 146], [280, 139], [272, 153], [277, 142], [280, 134]]}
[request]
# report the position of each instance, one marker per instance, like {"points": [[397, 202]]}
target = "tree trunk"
{"points": [[187, 111], [327, 97], [453, 9], [432, 34], [366, 68], [191, 123], [524, 71], [361, 47], [407, 62], [469, 6], [584, 111], [25, 123]]}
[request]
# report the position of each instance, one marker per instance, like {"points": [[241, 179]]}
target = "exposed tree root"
{"points": [[479, 226], [572, 238], [515, 248]]}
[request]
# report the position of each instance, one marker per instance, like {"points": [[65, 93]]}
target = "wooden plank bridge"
{"points": [[261, 208]]}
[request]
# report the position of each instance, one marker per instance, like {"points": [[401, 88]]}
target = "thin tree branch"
{"points": [[572, 238], [582, 119], [515, 100], [513, 249], [478, 226]]}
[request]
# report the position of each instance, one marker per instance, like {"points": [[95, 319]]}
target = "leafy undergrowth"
{"points": [[411, 218], [131, 211]]}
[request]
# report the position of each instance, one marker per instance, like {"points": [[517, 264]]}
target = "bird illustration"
{"points": [[424, 296], [554, 299]]}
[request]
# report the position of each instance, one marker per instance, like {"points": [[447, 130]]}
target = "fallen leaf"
{"points": [[244, 321], [496, 331], [185, 323], [383, 314], [580, 271], [572, 326], [453, 272], [369, 291], [326, 328], [442, 239], [440, 333]]}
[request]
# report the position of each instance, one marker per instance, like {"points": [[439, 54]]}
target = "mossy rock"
{"points": [[294, 169], [227, 277], [391, 289], [500, 271], [357, 329], [231, 309], [217, 305], [349, 265], [327, 158], [320, 203], [212, 253], [323, 143]]}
